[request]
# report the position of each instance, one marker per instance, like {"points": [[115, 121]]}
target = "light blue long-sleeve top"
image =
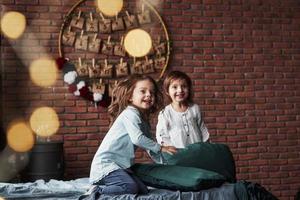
{"points": [[118, 146]]}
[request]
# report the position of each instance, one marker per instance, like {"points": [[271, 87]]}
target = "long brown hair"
{"points": [[123, 91], [178, 75]]}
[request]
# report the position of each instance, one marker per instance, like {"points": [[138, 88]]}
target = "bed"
{"points": [[201, 171], [71, 190]]}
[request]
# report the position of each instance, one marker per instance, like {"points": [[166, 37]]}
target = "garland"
{"points": [[77, 85]]}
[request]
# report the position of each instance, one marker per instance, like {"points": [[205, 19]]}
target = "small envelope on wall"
{"points": [[160, 62], [160, 47], [94, 70], [148, 66], [130, 21], [119, 49], [106, 70], [68, 37], [121, 68], [77, 21], [94, 44], [98, 87], [104, 25], [136, 67], [81, 42], [91, 24], [144, 17], [117, 24], [82, 68], [108, 47]]}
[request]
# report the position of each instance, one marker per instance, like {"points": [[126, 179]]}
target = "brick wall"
{"points": [[243, 56]]}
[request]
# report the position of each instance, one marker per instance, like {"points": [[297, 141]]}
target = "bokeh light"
{"points": [[1, 198], [13, 24], [19, 136], [43, 72], [110, 7], [44, 121], [137, 43]]}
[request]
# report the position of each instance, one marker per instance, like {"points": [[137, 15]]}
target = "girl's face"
{"points": [[143, 95], [178, 91]]}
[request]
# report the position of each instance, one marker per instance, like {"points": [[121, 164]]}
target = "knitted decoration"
{"points": [[77, 85]]}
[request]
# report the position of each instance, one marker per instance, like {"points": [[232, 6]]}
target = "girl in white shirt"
{"points": [[180, 123]]}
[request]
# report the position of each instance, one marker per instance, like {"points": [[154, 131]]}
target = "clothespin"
{"points": [[101, 15], [143, 8], [79, 14], [122, 41], [129, 18], [105, 63], [95, 37], [108, 39], [79, 61], [91, 16], [93, 62], [81, 34], [117, 16]]}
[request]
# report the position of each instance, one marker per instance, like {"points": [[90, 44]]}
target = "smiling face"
{"points": [[178, 91], [143, 96]]}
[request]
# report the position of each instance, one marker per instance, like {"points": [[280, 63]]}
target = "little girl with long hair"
{"points": [[134, 99], [180, 123]]}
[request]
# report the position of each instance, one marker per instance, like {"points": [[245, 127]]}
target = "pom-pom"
{"points": [[97, 97], [60, 62], [77, 84], [70, 77], [80, 85], [77, 93], [83, 91]]}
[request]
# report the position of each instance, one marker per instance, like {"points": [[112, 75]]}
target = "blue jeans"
{"points": [[123, 181]]}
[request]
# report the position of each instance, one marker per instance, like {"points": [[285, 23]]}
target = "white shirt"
{"points": [[179, 129]]}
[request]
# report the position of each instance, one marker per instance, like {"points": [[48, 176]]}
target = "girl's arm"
{"points": [[162, 134], [203, 129], [132, 123]]}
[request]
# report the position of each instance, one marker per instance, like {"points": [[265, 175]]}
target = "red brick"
{"points": [[65, 130], [77, 123], [72, 137], [24, 2], [87, 129], [76, 109], [87, 116], [50, 2]]}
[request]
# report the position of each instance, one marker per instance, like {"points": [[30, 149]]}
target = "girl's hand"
{"points": [[168, 149]]}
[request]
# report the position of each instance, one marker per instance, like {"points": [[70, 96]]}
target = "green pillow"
{"points": [[210, 156], [176, 177]]}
